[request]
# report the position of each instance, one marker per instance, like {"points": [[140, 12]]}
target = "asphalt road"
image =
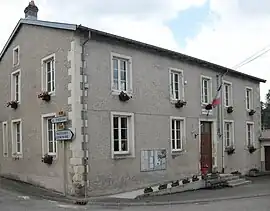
{"points": [[16, 197], [13, 201]]}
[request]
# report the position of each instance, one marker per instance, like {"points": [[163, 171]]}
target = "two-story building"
{"points": [[138, 112]]}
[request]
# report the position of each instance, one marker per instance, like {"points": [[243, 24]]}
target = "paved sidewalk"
{"points": [[259, 187]]}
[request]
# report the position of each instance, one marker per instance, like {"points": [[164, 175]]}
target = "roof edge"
{"points": [[65, 26], [170, 52]]}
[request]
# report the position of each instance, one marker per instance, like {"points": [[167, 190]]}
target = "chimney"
{"points": [[31, 11]]}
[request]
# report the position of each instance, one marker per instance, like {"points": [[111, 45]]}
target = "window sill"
{"points": [[178, 151], [17, 156], [117, 92], [51, 93], [173, 101], [119, 156], [15, 65]]}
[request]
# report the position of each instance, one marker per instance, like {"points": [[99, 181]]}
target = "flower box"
{"points": [[251, 148], [45, 96], [13, 104], [230, 150]]}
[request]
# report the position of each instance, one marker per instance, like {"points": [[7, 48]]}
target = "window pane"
{"points": [[178, 134], [173, 134], [115, 74], [123, 86], [123, 122], [123, 65], [178, 142], [123, 134], [51, 147], [123, 75], [115, 122], [18, 147], [178, 124], [116, 145], [115, 134], [124, 145]]}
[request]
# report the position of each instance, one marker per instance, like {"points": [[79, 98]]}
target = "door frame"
{"points": [[213, 137], [264, 149]]}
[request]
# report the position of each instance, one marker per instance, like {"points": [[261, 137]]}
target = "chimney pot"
{"points": [[31, 11]]}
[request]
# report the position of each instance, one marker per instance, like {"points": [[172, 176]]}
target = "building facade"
{"points": [[138, 112]]}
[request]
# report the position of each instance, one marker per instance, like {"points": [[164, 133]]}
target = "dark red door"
{"points": [[206, 145], [267, 158]]}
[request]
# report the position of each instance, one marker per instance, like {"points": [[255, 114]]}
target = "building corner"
{"points": [[77, 173]]}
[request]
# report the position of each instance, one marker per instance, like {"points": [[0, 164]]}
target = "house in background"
{"points": [[265, 150], [137, 114]]}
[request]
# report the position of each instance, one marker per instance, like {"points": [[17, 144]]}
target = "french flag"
{"points": [[217, 100]]}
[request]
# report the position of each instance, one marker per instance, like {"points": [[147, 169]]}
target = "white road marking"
{"points": [[24, 197]]}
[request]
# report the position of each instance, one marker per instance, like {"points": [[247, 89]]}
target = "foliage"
{"points": [[265, 112]]}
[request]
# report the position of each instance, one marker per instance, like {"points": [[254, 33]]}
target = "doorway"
{"points": [[206, 145], [267, 157]]}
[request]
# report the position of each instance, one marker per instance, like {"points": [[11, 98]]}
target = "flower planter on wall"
{"points": [[229, 109], [12, 104], [45, 96], [251, 149], [123, 96], [180, 104], [230, 150], [251, 112], [48, 159]]}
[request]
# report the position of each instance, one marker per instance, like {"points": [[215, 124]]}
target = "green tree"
{"points": [[265, 112]]}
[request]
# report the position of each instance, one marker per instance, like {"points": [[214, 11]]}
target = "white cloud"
{"points": [[143, 20], [235, 33], [234, 29]]}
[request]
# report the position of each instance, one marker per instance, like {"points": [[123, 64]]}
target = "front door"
{"points": [[206, 145], [267, 158]]}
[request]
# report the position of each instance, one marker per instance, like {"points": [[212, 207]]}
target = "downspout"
{"points": [[222, 122], [85, 149], [218, 119]]}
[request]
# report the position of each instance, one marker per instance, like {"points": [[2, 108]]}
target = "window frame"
{"points": [[250, 98], [232, 138], [5, 138], [15, 142], [13, 85], [44, 131], [183, 133], [129, 83], [44, 76], [230, 100], [131, 140], [210, 89], [181, 88], [253, 133], [17, 48]]}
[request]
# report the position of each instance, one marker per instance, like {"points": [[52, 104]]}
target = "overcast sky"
{"points": [[221, 31]]}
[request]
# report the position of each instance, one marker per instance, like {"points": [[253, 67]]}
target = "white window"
{"points": [[229, 133], [250, 133], [227, 94], [16, 136], [16, 85], [121, 73], [48, 73], [177, 133], [176, 84], [122, 133], [16, 56], [5, 138], [249, 98], [206, 90], [49, 142]]}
